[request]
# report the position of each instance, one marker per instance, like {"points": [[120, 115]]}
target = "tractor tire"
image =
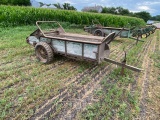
{"points": [[98, 33], [44, 52]]}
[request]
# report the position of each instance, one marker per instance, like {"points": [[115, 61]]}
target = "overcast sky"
{"points": [[151, 6]]}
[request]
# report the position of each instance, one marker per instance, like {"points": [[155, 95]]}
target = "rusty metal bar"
{"points": [[124, 62], [123, 65]]}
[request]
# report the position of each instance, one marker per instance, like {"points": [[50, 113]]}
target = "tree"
{"points": [[41, 4], [72, 8], [3, 2], [144, 15], [65, 6], [48, 4], [112, 10], [156, 18], [58, 6], [16, 2], [117, 10], [122, 11], [104, 10]]}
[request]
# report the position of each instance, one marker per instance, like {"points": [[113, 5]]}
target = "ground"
{"points": [[70, 89]]}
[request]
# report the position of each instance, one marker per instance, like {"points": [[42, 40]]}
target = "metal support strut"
{"points": [[123, 63]]}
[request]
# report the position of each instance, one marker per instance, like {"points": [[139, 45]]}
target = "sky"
{"points": [[151, 6]]}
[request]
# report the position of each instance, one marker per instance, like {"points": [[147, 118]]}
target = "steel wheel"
{"points": [[98, 33], [44, 52], [144, 35]]}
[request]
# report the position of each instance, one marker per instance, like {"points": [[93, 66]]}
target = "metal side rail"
{"points": [[118, 33], [123, 65]]}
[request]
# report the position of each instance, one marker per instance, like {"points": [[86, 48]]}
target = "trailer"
{"points": [[57, 41], [99, 30], [52, 40], [137, 33]]}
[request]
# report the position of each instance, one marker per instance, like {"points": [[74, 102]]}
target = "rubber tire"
{"points": [[98, 33], [45, 48]]}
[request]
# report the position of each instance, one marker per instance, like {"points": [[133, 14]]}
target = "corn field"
{"points": [[15, 15]]}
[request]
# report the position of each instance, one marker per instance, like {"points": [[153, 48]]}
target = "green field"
{"points": [[79, 90], [29, 15]]}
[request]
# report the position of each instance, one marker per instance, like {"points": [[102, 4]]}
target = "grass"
{"points": [[156, 56], [26, 84], [20, 72], [115, 98]]}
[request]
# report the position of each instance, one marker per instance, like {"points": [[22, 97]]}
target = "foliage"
{"points": [[121, 11], [117, 10], [15, 2], [58, 6], [144, 15], [29, 15], [41, 4], [114, 101], [65, 6], [156, 18]]}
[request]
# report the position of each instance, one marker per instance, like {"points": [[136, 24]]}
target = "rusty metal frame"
{"points": [[47, 22], [102, 46]]}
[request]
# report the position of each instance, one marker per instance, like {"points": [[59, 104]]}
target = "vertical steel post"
{"points": [[123, 64]]}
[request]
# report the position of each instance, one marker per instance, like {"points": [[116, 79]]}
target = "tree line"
{"points": [[15, 2], [121, 11]]}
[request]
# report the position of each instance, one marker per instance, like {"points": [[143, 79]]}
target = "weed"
{"points": [[115, 101], [111, 99], [85, 80]]}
